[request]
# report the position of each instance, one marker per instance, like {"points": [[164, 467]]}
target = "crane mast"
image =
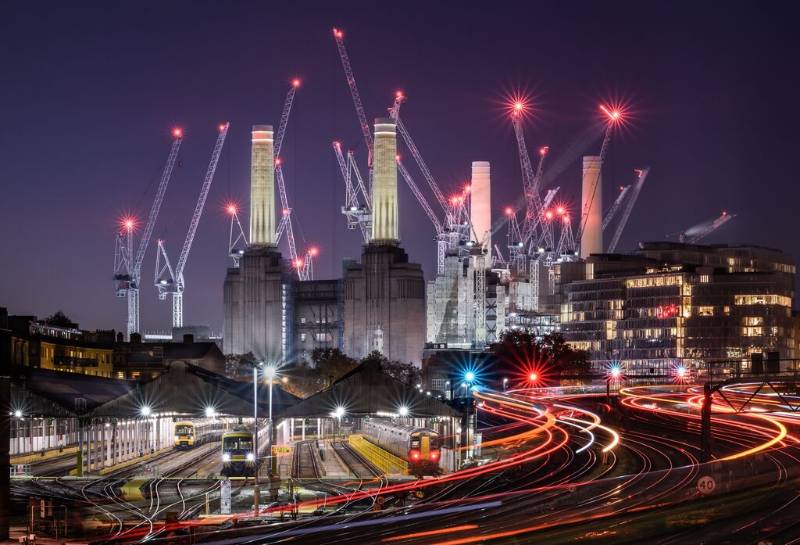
{"points": [[285, 225], [174, 284], [237, 240], [609, 217], [535, 209], [614, 117], [338, 35], [133, 264], [694, 234], [641, 176]]}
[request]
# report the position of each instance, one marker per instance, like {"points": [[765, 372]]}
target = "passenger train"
{"points": [[189, 434], [420, 447], [238, 456]]}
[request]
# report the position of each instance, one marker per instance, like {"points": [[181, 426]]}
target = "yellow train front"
{"points": [[420, 447], [238, 456], [185, 435]]}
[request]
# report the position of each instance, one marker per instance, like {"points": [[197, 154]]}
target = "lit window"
{"points": [[705, 311], [753, 320]]}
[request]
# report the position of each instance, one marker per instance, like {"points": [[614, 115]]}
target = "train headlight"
{"points": [[250, 457], [226, 457]]}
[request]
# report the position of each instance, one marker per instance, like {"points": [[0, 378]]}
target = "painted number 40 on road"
{"points": [[706, 484]]}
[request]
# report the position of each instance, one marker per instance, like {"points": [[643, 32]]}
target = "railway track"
{"points": [[358, 466], [305, 464]]}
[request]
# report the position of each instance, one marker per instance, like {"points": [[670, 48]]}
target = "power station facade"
{"points": [[378, 305]]}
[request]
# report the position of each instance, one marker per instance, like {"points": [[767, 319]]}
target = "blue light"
{"points": [[469, 376]]}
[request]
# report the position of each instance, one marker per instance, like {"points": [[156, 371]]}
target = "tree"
{"points": [[59, 319], [332, 363], [521, 355]]}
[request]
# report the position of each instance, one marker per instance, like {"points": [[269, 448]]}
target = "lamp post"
{"points": [[469, 378], [270, 374], [256, 492]]}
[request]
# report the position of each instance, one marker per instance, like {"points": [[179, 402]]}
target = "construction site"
{"points": [[498, 268]]}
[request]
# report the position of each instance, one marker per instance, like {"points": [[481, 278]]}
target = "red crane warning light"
{"points": [[313, 251], [296, 83], [177, 132], [614, 114], [509, 211], [231, 208], [337, 33]]}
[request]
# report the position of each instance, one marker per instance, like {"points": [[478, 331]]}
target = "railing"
{"points": [[380, 458]]}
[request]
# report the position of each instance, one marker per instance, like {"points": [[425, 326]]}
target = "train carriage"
{"points": [[420, 447], [189, 434], [238, 455]]}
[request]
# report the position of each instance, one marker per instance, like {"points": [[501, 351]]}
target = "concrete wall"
{"points": [[384, 305], [262, 276], [233, 304]]}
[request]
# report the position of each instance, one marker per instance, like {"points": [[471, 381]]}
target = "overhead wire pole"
{"points": [[641, 176], [175, 283], [135, 263]]}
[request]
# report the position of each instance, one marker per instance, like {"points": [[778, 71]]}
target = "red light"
{"points": [[399, 94], [434, 454], [397, 157], [548, 214], [277, 161], [128, 223], [295, 83], [177, 132], [337, 33], [285, 211], [222, 127], [561, 210], [467, 188], [544, 150], [313, 251], [509, 211], [298, 263], [667, 311], [232, 209], [519, 106], [337, 144], [614, 115], [566, 219], [415, 455], [533, 377]]}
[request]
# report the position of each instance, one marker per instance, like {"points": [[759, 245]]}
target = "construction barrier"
{"points": [[387, 462]]}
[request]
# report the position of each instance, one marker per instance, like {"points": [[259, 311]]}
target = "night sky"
{"points": [[89, 93]]}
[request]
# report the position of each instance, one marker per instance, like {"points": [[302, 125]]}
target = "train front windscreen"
{"points": [[238, 445]]}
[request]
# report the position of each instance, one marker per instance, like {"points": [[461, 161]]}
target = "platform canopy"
{"points": [[186, 389], [368, 391], [54, 394]]}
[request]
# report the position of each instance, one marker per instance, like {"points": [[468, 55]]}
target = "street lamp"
{"points": [[145, 411], [210, 412], [403, 411], [269, 372]]}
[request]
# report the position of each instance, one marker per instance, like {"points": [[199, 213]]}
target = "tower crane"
{"points": [[697, 232], [285, 225], [641, 176], [237, 240], [623, 191], [167, 279], [338, 35], [127, 267], [614, 118], [531, 180], [357, 214]]}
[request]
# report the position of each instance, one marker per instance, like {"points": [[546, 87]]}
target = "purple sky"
{"points": [[90, 92]]}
